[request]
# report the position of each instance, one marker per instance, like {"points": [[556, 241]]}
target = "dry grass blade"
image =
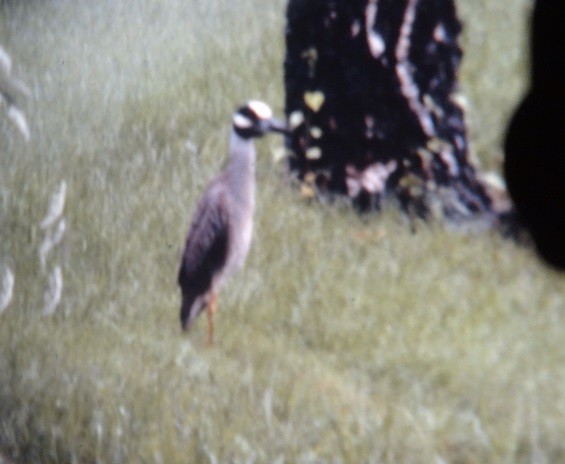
{"points": [[6, 290], [51, 240], [56, 206], [18, 118], [5, 62], [10, 89], [53, 294]]}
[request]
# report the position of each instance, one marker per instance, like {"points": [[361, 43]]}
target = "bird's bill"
{"points": [[276, 125]]}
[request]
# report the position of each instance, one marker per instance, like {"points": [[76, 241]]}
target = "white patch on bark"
{"points": [[404, 70], [372, 179], [374, 39]]}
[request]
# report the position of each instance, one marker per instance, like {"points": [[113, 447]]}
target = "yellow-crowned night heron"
{"points": [[220, 233]]}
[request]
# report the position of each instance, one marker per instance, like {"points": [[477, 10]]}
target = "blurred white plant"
{"points": [[54, 212], [10, 89], [56, 206], [54, 225], [54, 291], [6, 289], [52, 239], [5, 61]]}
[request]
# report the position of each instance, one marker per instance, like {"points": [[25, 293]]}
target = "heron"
{"points": [[221, 229]]}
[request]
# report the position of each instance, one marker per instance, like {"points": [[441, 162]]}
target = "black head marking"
{"points": [[252, 120]]}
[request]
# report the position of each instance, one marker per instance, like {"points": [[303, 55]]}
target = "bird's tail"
{"points": [[189, 309]]}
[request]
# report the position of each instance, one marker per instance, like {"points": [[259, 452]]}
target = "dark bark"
{"points": [[372, 99]]}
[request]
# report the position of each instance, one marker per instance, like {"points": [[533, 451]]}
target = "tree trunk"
{"points": [[373, 102]]}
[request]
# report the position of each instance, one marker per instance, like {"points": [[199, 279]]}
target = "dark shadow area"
{"points": [[534, 153]]}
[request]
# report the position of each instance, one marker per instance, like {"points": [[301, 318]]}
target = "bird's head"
{"points": [[255, 119]]}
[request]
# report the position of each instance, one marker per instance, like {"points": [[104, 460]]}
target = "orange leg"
{"points": [[211, 311]]}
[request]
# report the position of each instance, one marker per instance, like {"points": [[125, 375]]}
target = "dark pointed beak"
{"points": [[276, 125]]}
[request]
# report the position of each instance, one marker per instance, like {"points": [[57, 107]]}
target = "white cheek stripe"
{"points": [[241, 121]]}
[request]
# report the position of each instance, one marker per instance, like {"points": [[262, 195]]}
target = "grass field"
{"points": [[345, 339]]}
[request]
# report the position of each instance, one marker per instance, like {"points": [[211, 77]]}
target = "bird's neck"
{"points": [[241, 166]]}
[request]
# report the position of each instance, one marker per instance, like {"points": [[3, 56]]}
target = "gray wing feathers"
{"points": [[207, 241]]}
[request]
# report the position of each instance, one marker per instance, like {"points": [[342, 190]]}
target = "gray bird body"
{"points": [[220, 233]]}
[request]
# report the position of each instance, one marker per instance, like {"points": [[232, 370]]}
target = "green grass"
{"points": [[344, 339]]}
